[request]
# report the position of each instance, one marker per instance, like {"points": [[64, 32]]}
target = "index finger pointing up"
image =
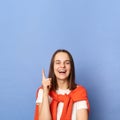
{"points": [[43, 74]]}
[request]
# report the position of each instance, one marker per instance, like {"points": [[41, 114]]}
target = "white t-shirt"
{"points": [[76, 106]]}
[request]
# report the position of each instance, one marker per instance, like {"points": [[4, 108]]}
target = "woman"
{"points": [[59, 97]]}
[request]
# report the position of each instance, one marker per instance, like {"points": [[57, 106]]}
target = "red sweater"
{"points": [[75, 95]]}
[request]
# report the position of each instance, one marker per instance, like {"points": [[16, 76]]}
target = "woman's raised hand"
{"points": [[46, 82]]}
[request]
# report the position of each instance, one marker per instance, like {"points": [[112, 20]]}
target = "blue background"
{"points": [[31, 30]]}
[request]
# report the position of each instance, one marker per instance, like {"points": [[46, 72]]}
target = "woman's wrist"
{"points": [[45, 91]]}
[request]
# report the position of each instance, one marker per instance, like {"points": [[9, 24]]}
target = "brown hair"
{"points": [[71, 79]]}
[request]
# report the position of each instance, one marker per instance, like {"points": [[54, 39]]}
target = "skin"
{"points": [[62, 68], [44, 109], [62, 63], [82, 114]]}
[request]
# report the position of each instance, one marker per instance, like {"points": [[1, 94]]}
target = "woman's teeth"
{"points": [[61, 71]]}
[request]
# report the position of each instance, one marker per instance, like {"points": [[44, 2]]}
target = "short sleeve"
{"points": [[81, 105], [39, 97]]}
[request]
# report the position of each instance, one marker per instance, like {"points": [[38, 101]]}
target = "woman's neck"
{"points": [[62, 84]]}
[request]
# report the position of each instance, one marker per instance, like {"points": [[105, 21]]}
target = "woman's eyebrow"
{"points": [[60, 60]]}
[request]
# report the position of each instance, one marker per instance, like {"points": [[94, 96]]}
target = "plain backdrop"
{"points": [[30, 32]]}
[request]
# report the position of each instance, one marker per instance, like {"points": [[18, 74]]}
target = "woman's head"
{"points": [[62, 68]]}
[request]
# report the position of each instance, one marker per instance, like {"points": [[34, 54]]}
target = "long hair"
{"points": [[71, 79]]}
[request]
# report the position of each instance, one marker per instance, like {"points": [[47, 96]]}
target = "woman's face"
{"points": [[62, 66]]}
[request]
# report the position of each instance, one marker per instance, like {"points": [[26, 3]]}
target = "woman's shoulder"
{"points": [[81, 87], [39, 90]]}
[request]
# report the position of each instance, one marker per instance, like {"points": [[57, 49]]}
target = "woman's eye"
{"points": [[57, 62], [67, 62]]}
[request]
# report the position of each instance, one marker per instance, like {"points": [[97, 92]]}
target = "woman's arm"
{"points": [[44, 107], [82, 114]]}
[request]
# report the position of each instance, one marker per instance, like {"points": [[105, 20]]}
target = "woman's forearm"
{"points": [[44, 110]]}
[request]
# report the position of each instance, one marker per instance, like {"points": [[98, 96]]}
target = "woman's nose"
{"points": [[62, 64]]}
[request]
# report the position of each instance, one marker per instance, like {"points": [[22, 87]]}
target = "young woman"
{"points": [[59, 97]]}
